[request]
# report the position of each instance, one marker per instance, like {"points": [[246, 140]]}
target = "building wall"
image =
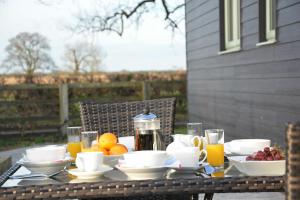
{"points": [[251, 93]]}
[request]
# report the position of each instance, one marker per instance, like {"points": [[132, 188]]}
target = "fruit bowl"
{"points": [[258, 167], [112, 160]]}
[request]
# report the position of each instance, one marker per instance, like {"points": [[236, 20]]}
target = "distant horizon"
{"points": [[97, 72]]}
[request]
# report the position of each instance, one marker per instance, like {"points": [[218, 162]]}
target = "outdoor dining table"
{"points": [[115, 185]]}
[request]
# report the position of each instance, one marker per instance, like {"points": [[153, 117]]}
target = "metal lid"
{"points": [[145, 116]]}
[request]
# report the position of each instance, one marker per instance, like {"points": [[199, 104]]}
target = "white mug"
{"points": [[189, 156], [188, 140], [89, 161], [145, 158]]}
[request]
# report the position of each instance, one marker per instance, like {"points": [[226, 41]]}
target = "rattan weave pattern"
{"points": [[146, 188], [6, 174], [293, 161], [118, 117]]}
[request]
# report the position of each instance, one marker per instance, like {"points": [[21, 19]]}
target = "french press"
{"points": [[147, 131]]}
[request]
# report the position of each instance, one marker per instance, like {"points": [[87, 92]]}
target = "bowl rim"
{"points": [[235, 159], [149, 152], [251, 140], [50, 147]]}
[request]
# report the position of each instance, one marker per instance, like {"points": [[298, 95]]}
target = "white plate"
{"points": [[258, 168], [45, 167], [140, 173], [89, 175]]}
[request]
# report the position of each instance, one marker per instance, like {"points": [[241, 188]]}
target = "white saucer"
{"points": [[140, 173], [89, 175]]}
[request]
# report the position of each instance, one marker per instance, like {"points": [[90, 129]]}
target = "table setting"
{"points": [[91, 154], [104, 158], [181, 156]]}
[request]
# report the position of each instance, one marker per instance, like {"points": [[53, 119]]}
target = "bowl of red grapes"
{"points": [[269, 161], [267, 154]]}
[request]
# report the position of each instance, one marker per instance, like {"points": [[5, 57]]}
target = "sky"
{"points": [[148, 47]]}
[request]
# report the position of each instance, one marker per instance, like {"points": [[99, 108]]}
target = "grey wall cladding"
{"points": [[251, 93]]}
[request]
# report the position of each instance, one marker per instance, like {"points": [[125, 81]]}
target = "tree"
{"points": [[83, 57], [28, 53], [115, 20]]}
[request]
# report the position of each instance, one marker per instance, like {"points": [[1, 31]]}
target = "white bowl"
{"points": [[146, 158], [258, 168], [247, 146], [48, 153], [112, 160], [45, 167]]}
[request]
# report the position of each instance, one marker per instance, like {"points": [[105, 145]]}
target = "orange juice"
{"points": [[89, 149], [215, 154], [74, 148], [218, 174]]}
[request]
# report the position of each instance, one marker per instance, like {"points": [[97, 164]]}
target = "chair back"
{"points": [[118, 117], [293, 161]]}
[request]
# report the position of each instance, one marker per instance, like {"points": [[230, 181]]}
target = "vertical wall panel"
{"points": [[251, 93]]}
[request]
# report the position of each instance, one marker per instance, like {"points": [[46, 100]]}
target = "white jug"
{"points": [[188, 140], [189, 156]]}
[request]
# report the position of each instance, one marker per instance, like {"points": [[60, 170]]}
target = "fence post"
{"points": [[63, 107], [146, 90]]}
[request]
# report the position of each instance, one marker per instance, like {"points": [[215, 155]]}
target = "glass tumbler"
{"points": [[89, 141], [215, 147], [74, 145]]}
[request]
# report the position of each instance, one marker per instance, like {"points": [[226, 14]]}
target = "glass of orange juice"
{"points": [[215, 147], [89, 141], [74, 145]]}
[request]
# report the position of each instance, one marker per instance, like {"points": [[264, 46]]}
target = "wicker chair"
{"points": [[118, 117], [293, 161]]}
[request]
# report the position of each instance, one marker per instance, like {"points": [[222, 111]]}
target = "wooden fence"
{"points": [[27, 109]]}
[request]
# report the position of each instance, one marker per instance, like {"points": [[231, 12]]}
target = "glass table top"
{"points": [[117, 175]]}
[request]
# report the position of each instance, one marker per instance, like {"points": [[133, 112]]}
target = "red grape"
{"points": [[267, 150], [268, 154]]}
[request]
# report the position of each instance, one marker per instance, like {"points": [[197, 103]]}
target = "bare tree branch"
{"points": [[116, 22], [172, 23]]}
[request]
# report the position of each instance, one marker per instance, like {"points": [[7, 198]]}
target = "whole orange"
{"points": [[107, 140], [103, 150], [118, 149]]}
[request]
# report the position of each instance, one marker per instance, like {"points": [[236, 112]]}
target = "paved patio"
{"points": [[16, 154]]}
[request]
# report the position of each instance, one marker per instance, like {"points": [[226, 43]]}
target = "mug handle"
{"points": [[203, 159], [79, 163], [199, 139]]}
